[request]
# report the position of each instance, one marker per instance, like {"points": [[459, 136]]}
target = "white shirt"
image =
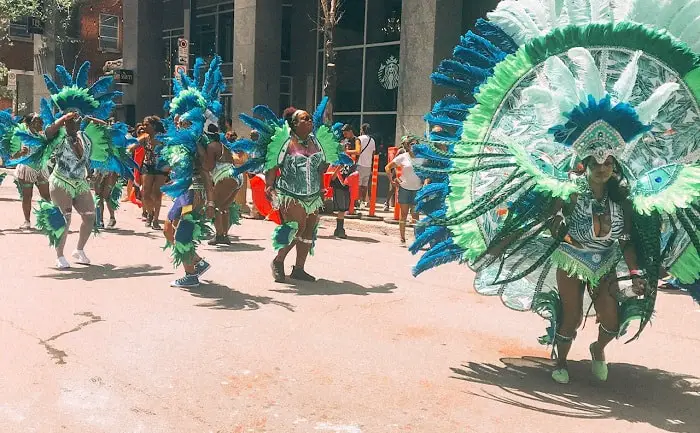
{"points": [[369, 145], [408, 180]]}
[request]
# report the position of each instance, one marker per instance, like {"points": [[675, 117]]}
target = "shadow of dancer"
{"points": [[225, 298], [330, 288], [106, 272], [633, 393]]}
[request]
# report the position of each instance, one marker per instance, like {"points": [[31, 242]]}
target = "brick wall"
{"points": [[20, 55], [90, 33]]}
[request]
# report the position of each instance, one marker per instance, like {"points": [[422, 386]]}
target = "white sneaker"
{"points": [[62, 263], [80, 257], [26, 226]]}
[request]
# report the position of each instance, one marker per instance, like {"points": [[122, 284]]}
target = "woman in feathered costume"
{"points": [[107, 176], [293, 152], [575, 173], [190, 156], [76, 135], [26, 176]]}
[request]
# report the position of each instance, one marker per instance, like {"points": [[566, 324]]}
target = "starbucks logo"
{"points": [[389, 73]]}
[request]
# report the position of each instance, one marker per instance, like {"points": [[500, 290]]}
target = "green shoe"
{"points": [[599, 368], [561, 375]]}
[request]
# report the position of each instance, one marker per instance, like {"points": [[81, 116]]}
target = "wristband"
{"points": [[211, 203], [636, 273]]}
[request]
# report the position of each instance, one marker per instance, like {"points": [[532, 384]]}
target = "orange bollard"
{"points": [[373, 191], [327, 184]]}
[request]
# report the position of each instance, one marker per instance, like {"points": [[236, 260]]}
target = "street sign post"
{"points": [[11, 80], [183, 51], [179, 69]]}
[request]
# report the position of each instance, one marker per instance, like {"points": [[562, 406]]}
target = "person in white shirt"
{"points": [[408, 183], [368, 147]]}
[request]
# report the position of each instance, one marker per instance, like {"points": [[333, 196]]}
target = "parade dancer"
{"points": [[107, 183], [574, 179], [186, 152], [153, 177], [75, 135], [227, 181], [25, 176], [294, 152]]}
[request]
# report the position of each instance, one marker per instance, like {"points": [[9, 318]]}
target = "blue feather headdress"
{"points": [[190, 94], [72, 93]]}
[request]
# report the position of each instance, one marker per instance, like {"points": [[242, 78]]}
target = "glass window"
{"points": [[381, 78], [353, 120], [109, 33], [19, 29], [383, 21], [349, 80], [351, 28], [383, 129], [286, 33], [319, 77], [225, 48], [206, 35]]}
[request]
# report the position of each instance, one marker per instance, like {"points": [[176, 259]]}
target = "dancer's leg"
{"points": [[85, 206], [571, 294], [304, 247], [292, 212], [157, 198], [64, 202], [27, 193]]}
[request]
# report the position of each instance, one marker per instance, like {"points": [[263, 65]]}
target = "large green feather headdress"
{"points": [[72, 93]]}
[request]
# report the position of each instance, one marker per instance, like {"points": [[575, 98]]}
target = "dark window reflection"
{"points": [[286, 33], [351, 28], [353, 120], [383, 129], [225, 49], [383, 21], [319, 78], [206, 31], [349, 80], [382, 78]]}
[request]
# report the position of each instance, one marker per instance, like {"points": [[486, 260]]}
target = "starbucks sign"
{"points": [[389, 73]]}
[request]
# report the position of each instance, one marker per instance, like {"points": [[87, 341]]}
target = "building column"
{"points": [[304, 52], [429, 31], [142, 47], [257, 52]]}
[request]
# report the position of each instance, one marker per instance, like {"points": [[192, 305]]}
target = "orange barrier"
{"points": [[397, 208], [373, 191], [328, 189]]}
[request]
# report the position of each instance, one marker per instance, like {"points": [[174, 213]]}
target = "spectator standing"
{"points": [[368, 147], [341, 190], [409, 183]]}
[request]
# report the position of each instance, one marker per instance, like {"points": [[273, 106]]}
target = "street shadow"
{"points": [[106, 272], [330, 288], [221, 297], [361, 239], [633, 393], [129, 232], [236, 247], [8, 199]]}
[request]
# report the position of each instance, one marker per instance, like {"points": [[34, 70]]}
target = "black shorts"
{"points": [[407, 196], [151, 169], [341, 199]]}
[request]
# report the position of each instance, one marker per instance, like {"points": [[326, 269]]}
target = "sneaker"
{"points": [[62, 263], [386, 208], [300, 274], [340, 234], [80, 257], [156, 226], [561, 375], [214, 241], [25, 226], [188, 281], [598, 368], [201, 267], [278, 271], [225, 240], [112, 223]]}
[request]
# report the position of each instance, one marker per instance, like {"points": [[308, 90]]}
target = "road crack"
{"points": [[60, 355]]}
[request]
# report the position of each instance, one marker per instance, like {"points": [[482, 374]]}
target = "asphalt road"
{"points": [[112, 348]]}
